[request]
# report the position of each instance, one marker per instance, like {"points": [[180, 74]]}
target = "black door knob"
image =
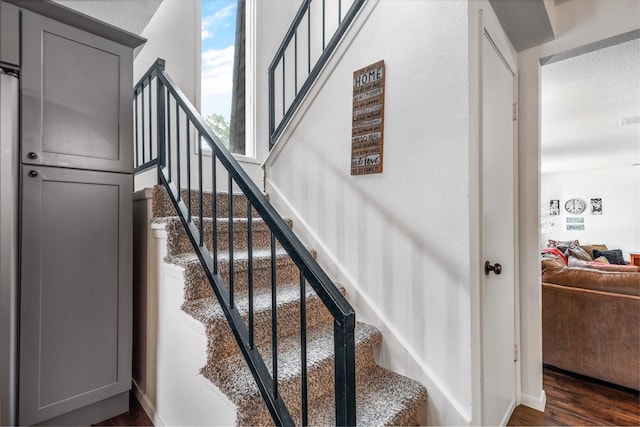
{"points": [[33, 174], [488, 268], [32, 155]]}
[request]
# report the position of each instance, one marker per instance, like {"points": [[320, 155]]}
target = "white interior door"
{"points": [[499, 227]]}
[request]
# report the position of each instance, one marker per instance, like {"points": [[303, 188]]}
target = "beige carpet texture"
{"points": [[383, 398]]}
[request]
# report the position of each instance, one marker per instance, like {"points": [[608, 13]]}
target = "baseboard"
{"points": [[507, 415], [442, 407], [147, 406], [537, 403]]}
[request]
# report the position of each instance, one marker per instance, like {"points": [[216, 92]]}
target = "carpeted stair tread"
{"points": [[178, 242], [236, 381], [383, 398], [162, 206], [208, 310]]}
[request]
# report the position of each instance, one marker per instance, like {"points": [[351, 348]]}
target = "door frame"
{"points": [[481, 16]]}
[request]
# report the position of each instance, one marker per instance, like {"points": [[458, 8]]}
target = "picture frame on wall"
{"points": [[554, 207], [596, 206]]}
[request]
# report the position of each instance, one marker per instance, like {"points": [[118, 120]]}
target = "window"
{"points": [[223, 71]]}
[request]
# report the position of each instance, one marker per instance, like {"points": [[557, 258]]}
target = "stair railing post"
{"points": [[345, 371], [161, 110]]}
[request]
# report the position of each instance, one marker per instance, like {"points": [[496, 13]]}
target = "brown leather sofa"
{"points": [[591, 322]]}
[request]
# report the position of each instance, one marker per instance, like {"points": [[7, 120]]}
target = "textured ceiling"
{"points": [[583, 100]]}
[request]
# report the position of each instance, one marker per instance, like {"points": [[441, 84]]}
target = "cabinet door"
{"points": [[75, 296], [9, 34], [76, 98]]}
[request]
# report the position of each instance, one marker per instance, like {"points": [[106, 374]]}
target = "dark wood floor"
{"points": [[135, 417], [579, 401], [571, 401]]}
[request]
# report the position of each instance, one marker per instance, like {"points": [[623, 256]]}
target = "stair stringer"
{"points": [[395, 353]]}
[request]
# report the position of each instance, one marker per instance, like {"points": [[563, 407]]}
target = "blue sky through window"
{"points": [[218, 38]]}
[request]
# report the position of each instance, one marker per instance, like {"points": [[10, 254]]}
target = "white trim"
{"points": [[537, 403], [507, 415], [147, 406], [457, 414]]}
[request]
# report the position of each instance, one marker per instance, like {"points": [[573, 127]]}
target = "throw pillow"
{"points": [[578, 252], [576, 262], [562, 244], [556, 251], [590, 248], [602, 260], [614, 256]]}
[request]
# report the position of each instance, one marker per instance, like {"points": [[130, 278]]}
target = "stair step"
{"points": [[384, 399], [162, 206], [234, 377], [222, 344], [197, 285], [179, 243]]}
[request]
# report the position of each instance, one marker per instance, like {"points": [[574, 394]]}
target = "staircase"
{"points": [[383, 397]]}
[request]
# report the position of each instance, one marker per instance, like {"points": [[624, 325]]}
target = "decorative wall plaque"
{"points": [[367, 129]]}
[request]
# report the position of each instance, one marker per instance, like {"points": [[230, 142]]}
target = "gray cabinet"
{"points": [[75, 307], [76, 97], [75, 169]]}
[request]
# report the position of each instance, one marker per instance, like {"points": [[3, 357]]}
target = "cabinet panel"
{"points": [[75, 337], [76, 98], [9, 34]]}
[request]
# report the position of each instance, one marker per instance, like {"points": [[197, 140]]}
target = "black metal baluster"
{"points": [[150, 123], [200, 190], [168, 137], [143, 123], [188, 157], [284, 83], [323, 25], [339, 12], [178, 149], [250, 270], [309, 39], [274, 317], [295, 62], [232, 303], [214, 210], [303, 348], [136, 161]]}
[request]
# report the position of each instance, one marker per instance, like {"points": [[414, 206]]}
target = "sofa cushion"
{"points": [[589, 249], [552, 261], [613, 267], [577, 252], [614, 256], [627, 283], [562, 244]]}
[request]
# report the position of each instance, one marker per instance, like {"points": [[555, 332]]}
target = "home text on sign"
{"points": [[367, 130]]}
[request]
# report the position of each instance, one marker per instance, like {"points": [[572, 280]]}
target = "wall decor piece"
{"points": [[575, 206], [596, 206], [575, 220], [575, 227], [367, 128], [554, 207]]}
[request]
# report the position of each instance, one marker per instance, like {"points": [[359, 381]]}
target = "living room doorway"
{"points": [[590, 139]]}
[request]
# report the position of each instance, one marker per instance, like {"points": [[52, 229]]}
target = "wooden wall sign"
{"points": [[367, 129]]}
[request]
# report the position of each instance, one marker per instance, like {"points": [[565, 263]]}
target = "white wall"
{"points": [[398, 241], [577, 23], [618, 227]]}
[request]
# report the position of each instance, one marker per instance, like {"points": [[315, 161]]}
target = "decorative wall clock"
{"points": [[575, 206]]}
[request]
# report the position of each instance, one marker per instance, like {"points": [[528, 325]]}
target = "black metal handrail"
{"points": [[171, 110], [325, 48]]}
